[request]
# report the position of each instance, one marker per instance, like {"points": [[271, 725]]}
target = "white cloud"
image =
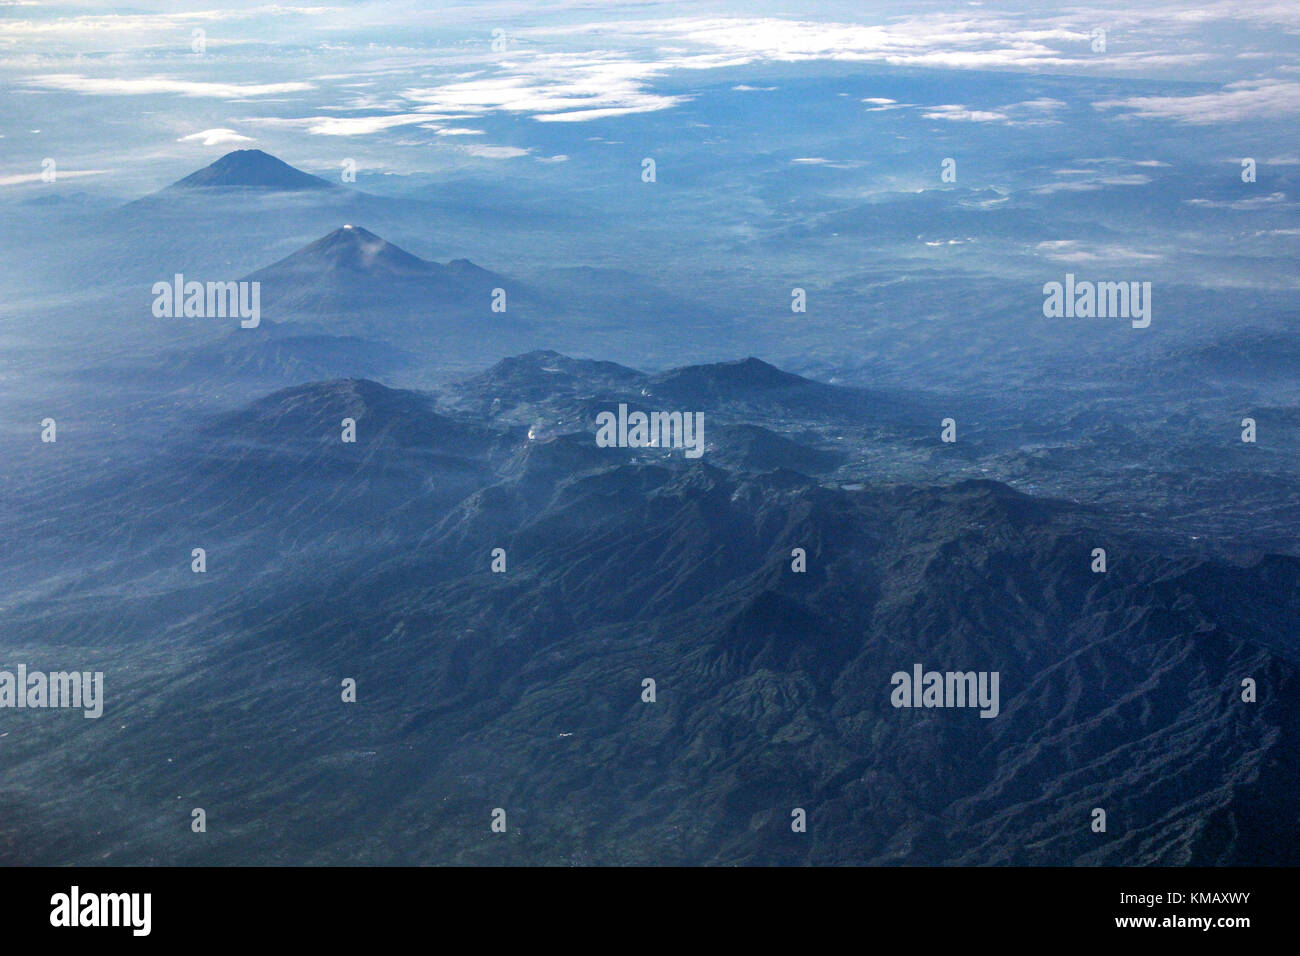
{"points": [[1091, 185], [1256, 202], [1042, 104], [1025, 113], [1071, 250], [215, 137], [138, 30], [362, 125], [1071, 187], [962, 114], [582, 116], [555, 87], [494, 152], [935, 40], [110, 86], [19, 178], [1234, 103], [346, 125], [821, 161]]}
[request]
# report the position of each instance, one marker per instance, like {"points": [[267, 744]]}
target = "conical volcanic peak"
{"points": [[741, 376], [354, 249], [251, 169]]}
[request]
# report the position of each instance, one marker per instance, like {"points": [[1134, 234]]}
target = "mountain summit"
{"points": [[251, 169], [739, 375], [354, 249], [353, 282]]}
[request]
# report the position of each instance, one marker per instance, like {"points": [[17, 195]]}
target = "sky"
{"points": [[125, 100]]}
